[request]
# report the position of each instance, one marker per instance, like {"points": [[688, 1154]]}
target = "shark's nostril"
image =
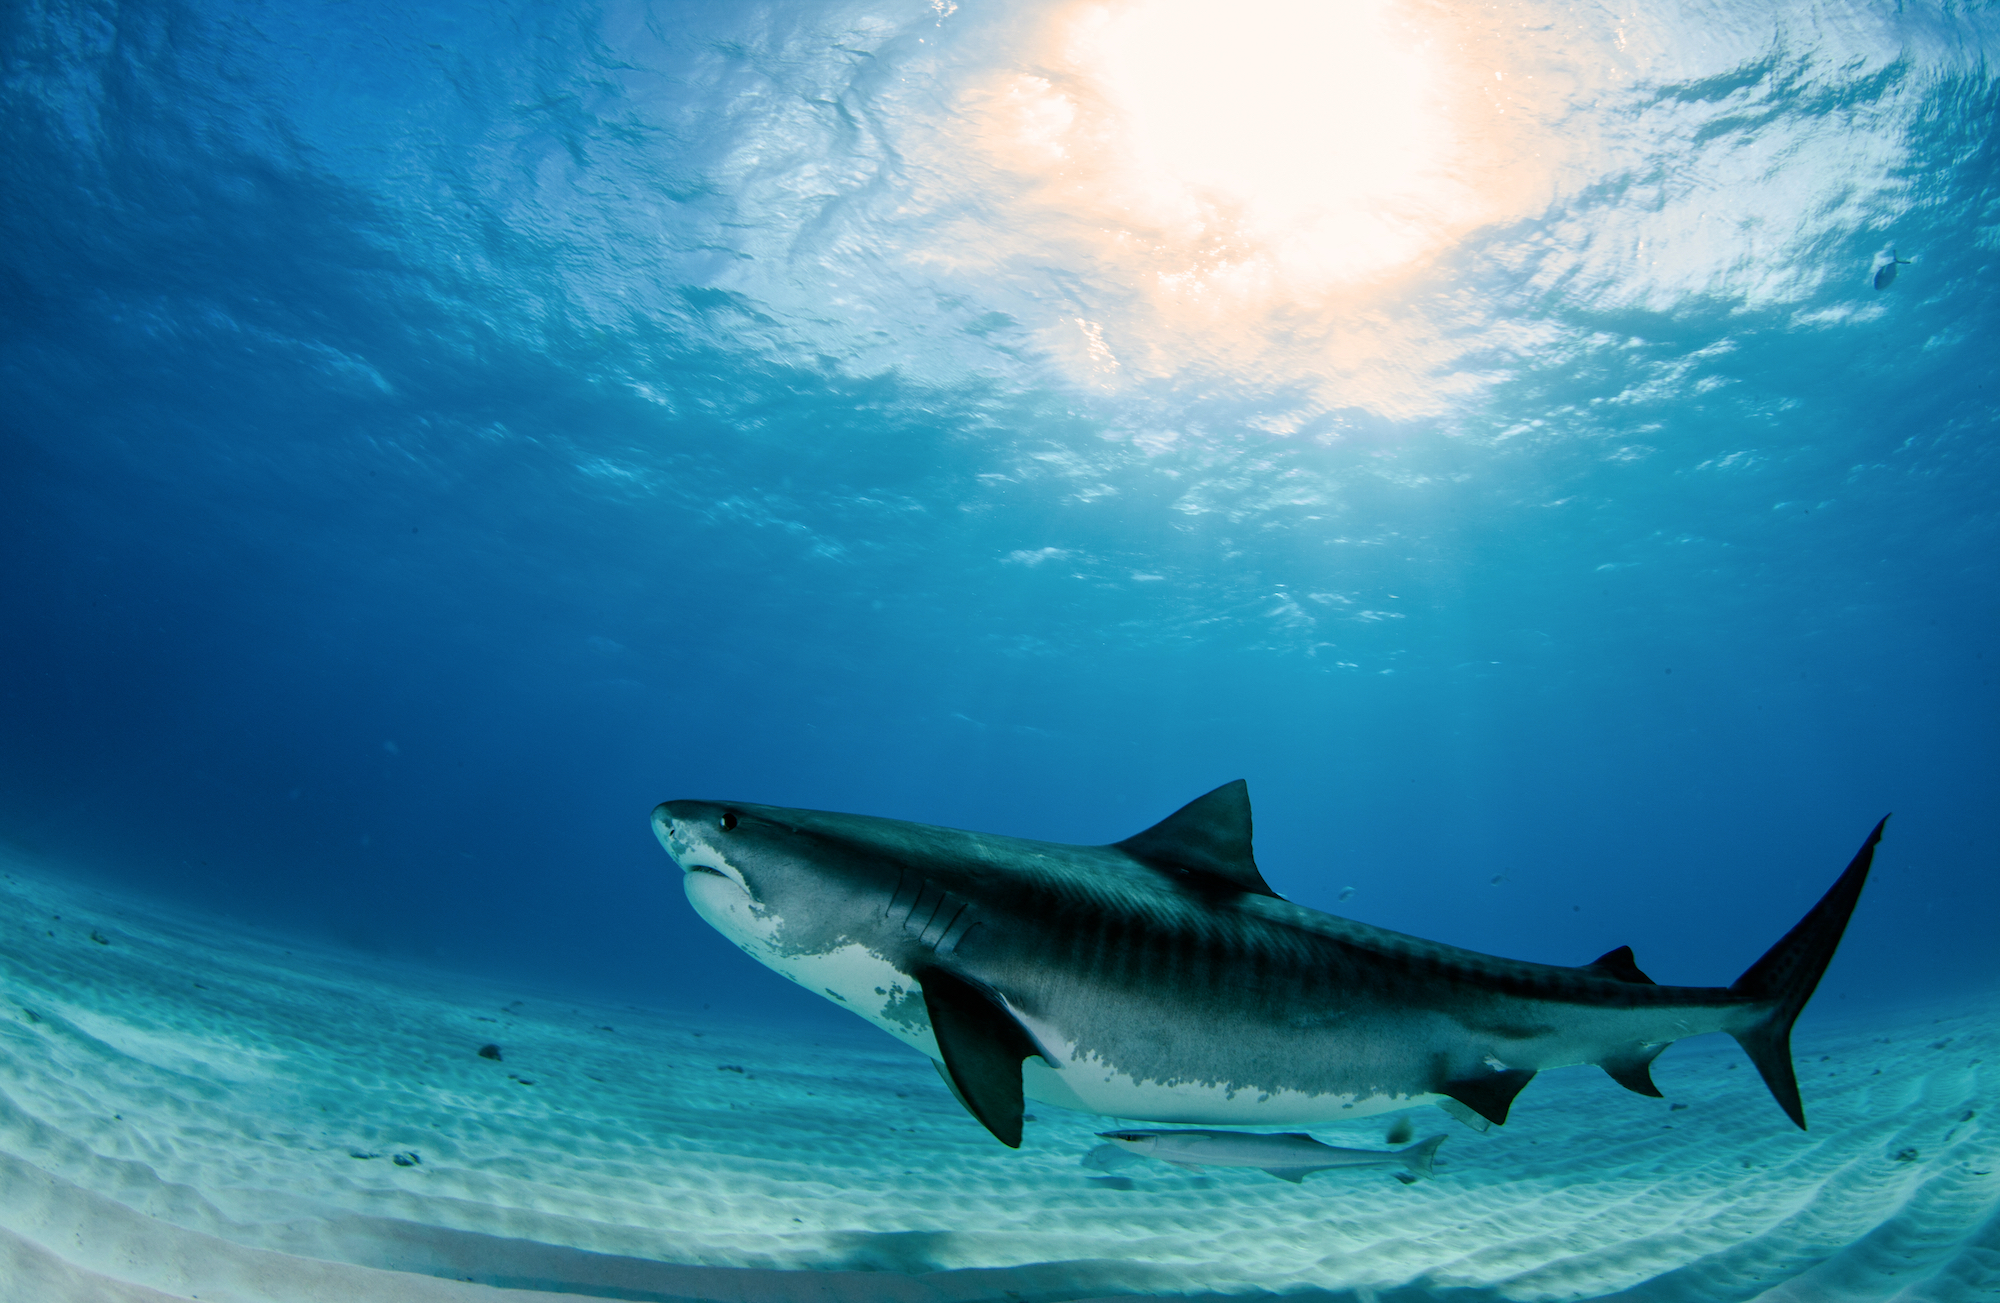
{"points": [[703, 868]]}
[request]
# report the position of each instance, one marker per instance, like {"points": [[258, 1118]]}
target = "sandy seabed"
{"points": [[194, 1110]]}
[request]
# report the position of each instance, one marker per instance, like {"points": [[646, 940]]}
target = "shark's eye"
{"points": [[728, 821]]}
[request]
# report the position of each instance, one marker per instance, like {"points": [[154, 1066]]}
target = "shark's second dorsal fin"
{"points": [[1619, 963], [1205, 841]]}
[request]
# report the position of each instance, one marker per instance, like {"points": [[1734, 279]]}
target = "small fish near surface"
{"points": [[1885, 268], [1289, 1156], [1160, 978]]}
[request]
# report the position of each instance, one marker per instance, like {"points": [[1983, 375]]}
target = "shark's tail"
{"points": [[1786, 975], [1418, 1156]]}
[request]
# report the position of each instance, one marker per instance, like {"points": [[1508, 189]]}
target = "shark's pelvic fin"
{"points": [[1205, 843], [1788, 973], [983, 1048], [1633, 1070], [1296, 1175], [1621, 964], [1489, 1094]]}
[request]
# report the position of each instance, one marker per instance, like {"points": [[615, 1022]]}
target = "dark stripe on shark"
{"points": [[1111, 937], [1143, 948]]}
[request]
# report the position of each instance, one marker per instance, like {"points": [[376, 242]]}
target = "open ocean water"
{"points": [[1547, 449]]}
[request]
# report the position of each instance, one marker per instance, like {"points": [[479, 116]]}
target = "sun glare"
{"points": [[1311, 127], [1240, 187]]}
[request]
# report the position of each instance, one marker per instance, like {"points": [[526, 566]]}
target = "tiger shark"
{"points": [[1161, 979]]}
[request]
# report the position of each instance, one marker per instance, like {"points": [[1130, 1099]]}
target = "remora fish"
{"points": [[1161, 978], [1290, 1156]]}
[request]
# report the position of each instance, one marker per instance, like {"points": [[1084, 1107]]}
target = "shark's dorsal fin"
{"points": [[1621, 964], [1205, 842]]}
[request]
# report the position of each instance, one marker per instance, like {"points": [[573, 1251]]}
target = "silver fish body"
{"points": [[1289, 1156]]}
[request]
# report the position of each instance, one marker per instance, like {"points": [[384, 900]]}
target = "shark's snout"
{"points": [[668, 830], [694, 834]]}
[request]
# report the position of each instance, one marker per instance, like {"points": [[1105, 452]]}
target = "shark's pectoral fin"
{"points": [[983, 1048], [1632, 1069], [1296, 1175], [944, 1075], [1489, 1094]]}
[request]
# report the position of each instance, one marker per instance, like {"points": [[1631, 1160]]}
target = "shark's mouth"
{"points": [[713, 866], [726, 904]]}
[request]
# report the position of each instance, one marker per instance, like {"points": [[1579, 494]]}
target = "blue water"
{"points": [[431, 438]]}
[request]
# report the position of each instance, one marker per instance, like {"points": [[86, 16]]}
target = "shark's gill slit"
{"points": [[951, 943], [889, 910], [949, 924]]}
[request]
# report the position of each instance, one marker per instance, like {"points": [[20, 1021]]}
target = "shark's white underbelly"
{"points": [[1086, 1082]]}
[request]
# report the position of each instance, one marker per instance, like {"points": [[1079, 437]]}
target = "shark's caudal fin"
{"points": [[1789, 971], [1418, 1156]]}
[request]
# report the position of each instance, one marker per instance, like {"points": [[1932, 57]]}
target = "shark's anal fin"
{"points": [[1489, 1094], [983, 1048], [1632, 1069], [1205, 843], [1620, 964]]}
